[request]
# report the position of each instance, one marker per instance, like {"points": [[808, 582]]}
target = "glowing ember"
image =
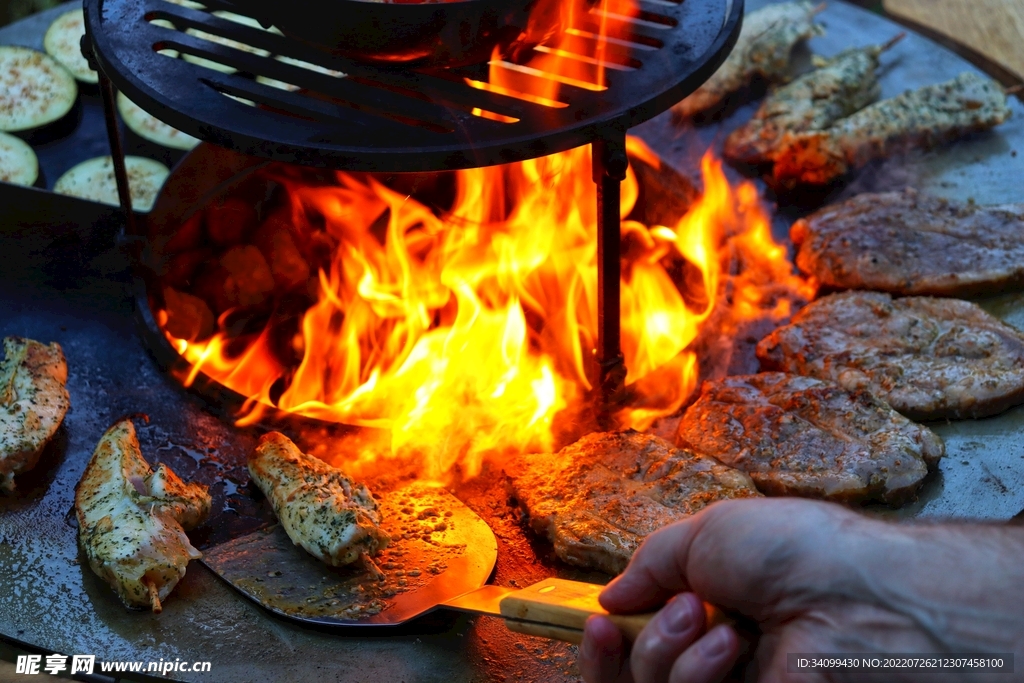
{"points": [[468, 333]]}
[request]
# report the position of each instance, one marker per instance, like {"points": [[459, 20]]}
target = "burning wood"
{"points": [[464, 326]]}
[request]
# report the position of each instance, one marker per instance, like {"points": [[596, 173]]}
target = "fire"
{"points": [[467, 333]]}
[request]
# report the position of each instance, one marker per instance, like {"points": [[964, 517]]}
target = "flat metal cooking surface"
{"points": [[386, 119], [63, 280]]}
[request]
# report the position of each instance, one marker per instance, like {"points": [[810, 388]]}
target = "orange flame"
{"points": [[469, 333]]}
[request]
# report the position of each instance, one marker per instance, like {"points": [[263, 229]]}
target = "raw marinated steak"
{"points": [[928, 358], [908, 243], [597, 499], [800, 436]]}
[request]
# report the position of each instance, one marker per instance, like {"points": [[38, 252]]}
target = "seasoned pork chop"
{"points": [[928, 358], [597, 499], [323, 511], [132, 520], [908, 243], [800, 436], [33, 402]]}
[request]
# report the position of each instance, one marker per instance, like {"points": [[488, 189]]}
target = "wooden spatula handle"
{"points": [[558, 609]]}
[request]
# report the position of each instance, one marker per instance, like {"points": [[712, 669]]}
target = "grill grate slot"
{"points": [[394, 119]]}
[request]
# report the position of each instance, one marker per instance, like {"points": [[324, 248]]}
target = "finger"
{"points": [[603, 654], [657, 570], [668, 635], [709, 659]]}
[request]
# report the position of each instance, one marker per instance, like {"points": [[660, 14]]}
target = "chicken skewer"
{"points": [[762, 50], [132, 520], [33, 402], [922, 117], [324, 512], [838, 88]]}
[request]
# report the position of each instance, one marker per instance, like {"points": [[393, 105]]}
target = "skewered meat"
{"points": [[33, 402], [132, 520], [907, 243], [928, 358], [762, 50], [922, 117], [799, 436], [331, 517], [837, 88], [597, 499]]}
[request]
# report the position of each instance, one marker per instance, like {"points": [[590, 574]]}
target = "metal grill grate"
{"points": [[393, 119]]}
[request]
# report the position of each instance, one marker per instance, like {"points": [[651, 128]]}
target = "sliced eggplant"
{"points": [[301, 64], [147, 126], [18, 163], [188, 3], [94, 180], [224, 68], [35, 89], [63, 42]]}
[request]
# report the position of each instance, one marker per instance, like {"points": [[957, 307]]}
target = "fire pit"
{"points": [[112, 375]]}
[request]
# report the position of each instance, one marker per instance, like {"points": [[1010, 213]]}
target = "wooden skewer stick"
{"points": [[371, 566], [154, 597]]}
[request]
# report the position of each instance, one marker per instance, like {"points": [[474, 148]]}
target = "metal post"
{"points": [[113, 135], [609, 166]]}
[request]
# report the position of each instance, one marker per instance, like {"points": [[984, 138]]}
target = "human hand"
{"points": [[816, 578]]}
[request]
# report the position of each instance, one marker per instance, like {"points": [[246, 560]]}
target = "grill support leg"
{"points": [[609, 167], [113, 136]]}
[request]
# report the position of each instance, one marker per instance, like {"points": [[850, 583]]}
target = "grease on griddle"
{"points": [[421, 524]]}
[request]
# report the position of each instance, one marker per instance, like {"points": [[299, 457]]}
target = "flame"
{"points": [[554, 51], [469, 333]]}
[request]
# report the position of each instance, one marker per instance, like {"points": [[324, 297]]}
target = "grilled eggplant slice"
{"points": [[33, 402], [63, 42], [132, 520], [94, 180], [148, 127], [18, 163], [35, 90]]}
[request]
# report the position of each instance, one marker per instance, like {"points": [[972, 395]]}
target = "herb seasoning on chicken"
{"points": [[33, 402], [839, 87], [762, 50], [132, 520], [923, 118], [331, 517]]}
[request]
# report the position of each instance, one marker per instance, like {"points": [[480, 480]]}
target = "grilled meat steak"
{"points": [[132, 520], [800, 436], [917, 118], [928, 358], [327, 514], [597, 499], [33, 402], [908, 243], [762, 50]]}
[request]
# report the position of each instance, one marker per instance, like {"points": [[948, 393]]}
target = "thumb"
{"points": [[657, 570]]}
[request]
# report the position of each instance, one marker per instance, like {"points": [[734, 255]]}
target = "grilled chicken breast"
{"points": [[928, 358], [799, 436], [762, 50], [33, 402], [839, 87], [917, 118], [597, 499], [132, 520], [324, 512], [908, 243]]}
